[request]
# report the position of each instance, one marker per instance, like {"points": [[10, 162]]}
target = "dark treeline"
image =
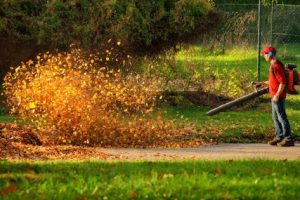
{"points": [[60, 22], [30, 26]]}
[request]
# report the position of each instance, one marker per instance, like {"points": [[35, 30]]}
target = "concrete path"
{"points": [[211, 152]]}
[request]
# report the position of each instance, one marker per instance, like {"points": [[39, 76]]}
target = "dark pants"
{"points": [[282, 125]]}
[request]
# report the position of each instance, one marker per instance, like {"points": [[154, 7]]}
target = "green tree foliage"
{"points": [[139, 23]]}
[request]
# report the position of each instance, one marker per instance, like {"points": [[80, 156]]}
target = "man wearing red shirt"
{"points": [[277, 82]]}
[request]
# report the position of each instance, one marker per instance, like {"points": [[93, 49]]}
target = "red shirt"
{"points": [[274, 81]]}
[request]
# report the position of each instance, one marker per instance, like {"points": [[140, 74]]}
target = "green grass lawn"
{"points": [[241, 58], [249, 179], [235, 122], [231, 125]]}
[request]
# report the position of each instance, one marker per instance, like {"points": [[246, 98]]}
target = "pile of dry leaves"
{"points": [[20, 143]]}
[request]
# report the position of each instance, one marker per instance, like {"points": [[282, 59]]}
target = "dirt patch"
{"points": [[206, 99], [198, 98]]}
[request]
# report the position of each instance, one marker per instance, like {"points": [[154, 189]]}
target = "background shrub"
{"points": [[139, 23], [144, 27]]}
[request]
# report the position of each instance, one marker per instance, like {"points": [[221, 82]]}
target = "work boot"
{"points": [[274, 142], [286, 143]]}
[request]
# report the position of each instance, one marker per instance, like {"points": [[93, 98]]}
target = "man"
{"points": [[277, 82]]}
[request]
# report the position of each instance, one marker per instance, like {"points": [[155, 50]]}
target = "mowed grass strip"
{"points": [[248, 179]]}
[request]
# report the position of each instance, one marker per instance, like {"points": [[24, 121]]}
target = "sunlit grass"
{"points": [[242, 58]]}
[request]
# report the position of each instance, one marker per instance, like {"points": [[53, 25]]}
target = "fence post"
{"points": [[258, 40], [272, 13]]}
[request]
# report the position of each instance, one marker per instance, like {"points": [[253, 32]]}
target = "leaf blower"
{"points": [[292, 77]]}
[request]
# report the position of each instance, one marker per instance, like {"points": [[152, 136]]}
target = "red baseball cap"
{"points": [[268, 49]]}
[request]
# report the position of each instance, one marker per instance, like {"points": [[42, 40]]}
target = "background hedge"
{"points": [[138, 22], [28, 27]]}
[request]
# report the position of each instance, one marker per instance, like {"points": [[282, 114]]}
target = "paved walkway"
{"points": [[211, 152]]}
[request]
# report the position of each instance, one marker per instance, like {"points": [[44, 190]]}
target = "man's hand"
{"points": [[279, 91], [275, 98]]}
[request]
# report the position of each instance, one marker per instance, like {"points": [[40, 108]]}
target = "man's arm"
{"points": [[262, 83]]}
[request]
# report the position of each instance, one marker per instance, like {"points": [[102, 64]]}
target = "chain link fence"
{"points": [[279, 26]]}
